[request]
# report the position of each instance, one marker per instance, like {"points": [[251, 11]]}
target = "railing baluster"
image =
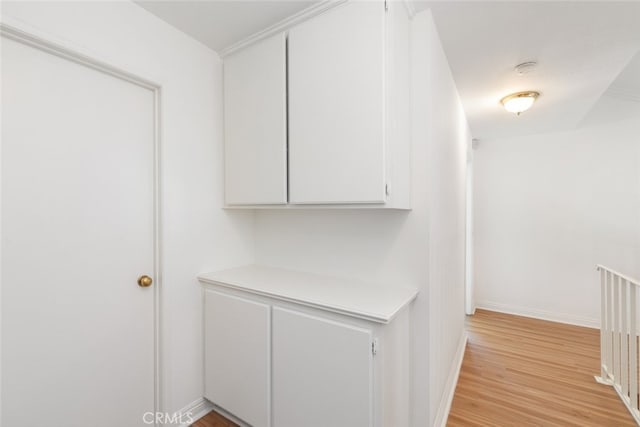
{"points": [[633, 349], [624, 337], [616, 329], [608, 350], [603, 324]]}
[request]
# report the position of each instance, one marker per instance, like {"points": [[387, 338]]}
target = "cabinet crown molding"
{"points": [[283, 25]]}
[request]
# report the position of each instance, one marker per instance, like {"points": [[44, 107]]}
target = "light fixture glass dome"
{"points": [[519, 102]]}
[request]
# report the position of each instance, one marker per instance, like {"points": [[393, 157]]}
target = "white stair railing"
{"points": [[619, 336]]}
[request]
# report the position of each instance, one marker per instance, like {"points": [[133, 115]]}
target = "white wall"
{"points": [[423, 248], [548, 208], [447, 134], [197, 234]]}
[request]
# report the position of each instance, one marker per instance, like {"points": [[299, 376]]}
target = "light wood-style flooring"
{"points": [[522, 372], [213, 419], [525, 372]]}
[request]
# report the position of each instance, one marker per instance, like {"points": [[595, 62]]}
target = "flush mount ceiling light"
{"points": [[520, 101]]}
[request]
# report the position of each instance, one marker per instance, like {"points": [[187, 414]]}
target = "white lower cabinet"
{"points": [[322, 372], [237, 356], [293, 349]]}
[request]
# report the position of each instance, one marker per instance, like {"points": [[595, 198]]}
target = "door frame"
{"points": [[20, 32], [469, 282]]}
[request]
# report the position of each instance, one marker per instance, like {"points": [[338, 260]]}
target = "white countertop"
{"points": [[345, 296]]}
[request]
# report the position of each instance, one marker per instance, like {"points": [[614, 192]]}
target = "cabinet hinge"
{"points": [[386, 5], [387, 190], [374, 346]]}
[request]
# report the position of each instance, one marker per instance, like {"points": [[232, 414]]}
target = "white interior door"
{"points": [[77, 231], [469, 303]]}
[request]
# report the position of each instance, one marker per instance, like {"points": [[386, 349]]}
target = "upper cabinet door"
{"points": [[255, 124], [336, 106]]}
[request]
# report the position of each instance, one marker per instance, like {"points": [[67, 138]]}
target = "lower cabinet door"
{"points": [[237, 356], [322, 372]]}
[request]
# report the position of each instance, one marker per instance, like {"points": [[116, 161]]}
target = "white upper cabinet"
{"points": [[255, 124], [319, 115], [337, 106]]}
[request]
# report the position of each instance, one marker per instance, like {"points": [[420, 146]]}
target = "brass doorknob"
{"points": [[144, 281]]}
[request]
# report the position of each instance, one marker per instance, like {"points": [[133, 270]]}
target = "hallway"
{"points": [[519, 371]]}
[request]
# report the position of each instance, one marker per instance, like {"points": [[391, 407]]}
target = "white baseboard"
{"points": [[196, 409], [540, 314], [452, 380]]}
